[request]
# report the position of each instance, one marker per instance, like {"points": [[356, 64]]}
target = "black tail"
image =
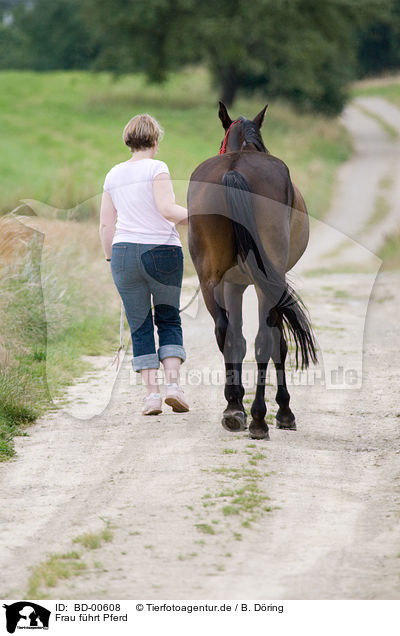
{"points": [[284, 299]]}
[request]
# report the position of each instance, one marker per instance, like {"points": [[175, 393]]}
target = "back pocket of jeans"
{"points": [[118, 258], [166, 260], [164, 264]]}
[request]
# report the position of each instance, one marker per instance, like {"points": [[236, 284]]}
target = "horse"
{"points": [[248, 224]]}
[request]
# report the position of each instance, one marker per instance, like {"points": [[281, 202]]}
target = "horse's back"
{"points": [[265, 173], [282, 229]]}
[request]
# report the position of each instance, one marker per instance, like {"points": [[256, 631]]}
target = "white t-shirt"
{"points": [[130, 185]]}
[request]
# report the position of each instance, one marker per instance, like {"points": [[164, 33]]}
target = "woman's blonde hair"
{"points": [[142, 131]]}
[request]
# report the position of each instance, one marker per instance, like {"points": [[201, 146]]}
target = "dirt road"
{"points": [[195, 512]]}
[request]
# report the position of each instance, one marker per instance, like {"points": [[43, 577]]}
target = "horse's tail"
{"points": [[255, 261]]}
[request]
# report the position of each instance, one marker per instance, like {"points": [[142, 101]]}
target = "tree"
{"points": [[379, 42], [299, 49], [303, 50], [153, 36], [50, 35]]}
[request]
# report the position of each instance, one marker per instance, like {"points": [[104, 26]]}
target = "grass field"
{"points": [[386, 87], [61, 133]]}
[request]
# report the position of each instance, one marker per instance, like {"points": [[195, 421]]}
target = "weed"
{"points": [[230, 510], [205, 528], [93, 540], [48, 573]]}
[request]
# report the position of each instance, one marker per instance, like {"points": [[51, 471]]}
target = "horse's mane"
{"points": [[252, 134]]}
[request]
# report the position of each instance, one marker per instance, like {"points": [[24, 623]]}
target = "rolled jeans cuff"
{"points": [[148, 361], [172, 351]]}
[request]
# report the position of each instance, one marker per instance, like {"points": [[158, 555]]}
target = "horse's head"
{"points": [[242, 133]]}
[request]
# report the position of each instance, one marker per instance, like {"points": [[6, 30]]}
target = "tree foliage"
{"points": [[46, 35], [299, 49], [379, 42], [302, 50]]}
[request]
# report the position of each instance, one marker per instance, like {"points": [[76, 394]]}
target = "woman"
{"points": [[137, 231]]}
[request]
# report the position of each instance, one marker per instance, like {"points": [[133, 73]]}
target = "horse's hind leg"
{"points": [[234, 350], [284, 417], [258, 428], [224, 302]]}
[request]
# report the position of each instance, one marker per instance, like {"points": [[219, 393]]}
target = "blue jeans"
{"points": [[140, 272]]}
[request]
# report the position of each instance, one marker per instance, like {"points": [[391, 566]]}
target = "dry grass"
{"points": [[14, 240], [74, 249]]}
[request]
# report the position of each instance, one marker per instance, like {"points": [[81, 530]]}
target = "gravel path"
{"points": [[198, 513]]}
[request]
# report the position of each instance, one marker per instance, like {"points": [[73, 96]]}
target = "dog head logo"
{"points": [[26, 615]]}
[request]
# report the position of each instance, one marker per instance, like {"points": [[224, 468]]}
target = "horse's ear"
{"points": [[223, 115], [258, 119]]}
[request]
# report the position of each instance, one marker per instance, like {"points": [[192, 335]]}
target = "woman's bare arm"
{"points": [[108, 217], [165, 199]]}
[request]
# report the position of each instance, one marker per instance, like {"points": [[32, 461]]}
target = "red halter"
{"points": [[223, 147]]}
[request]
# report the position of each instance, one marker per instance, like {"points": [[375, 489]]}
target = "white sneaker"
{"points": [[176, 399], [152, 404]]}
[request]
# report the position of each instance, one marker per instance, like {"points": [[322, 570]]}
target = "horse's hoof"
{"points": [[258, 431], [234, 421], [287, 425]]}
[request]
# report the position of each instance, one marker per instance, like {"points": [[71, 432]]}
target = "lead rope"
{"points": [[116, 359]]}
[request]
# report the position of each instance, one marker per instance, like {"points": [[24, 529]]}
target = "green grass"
{"points": [[242, 497], [93, 540], [336, 251], [341, 293], [61, 133], [390, 252], [380, 211], [390, 130], [24, 393], [381, 206], [205, 528], [16, 411], [47, 323], [388, 88], [337, 268], [48, 573]]}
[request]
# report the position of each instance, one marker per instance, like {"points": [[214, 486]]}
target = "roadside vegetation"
{"points": [[390, 252], [386, 87], [52, 311]]}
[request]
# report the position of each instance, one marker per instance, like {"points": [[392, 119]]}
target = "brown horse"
{"points": [[248, 224]]}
